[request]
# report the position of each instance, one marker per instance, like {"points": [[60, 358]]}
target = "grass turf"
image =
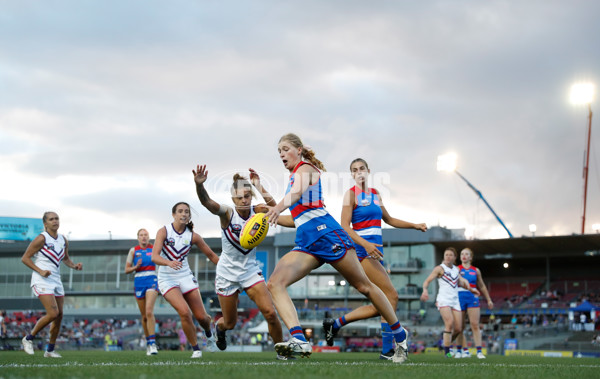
{"points": [[174, 364]]}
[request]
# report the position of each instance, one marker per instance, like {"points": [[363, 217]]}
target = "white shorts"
{"points": [[224, 287], [47, 286], [186, 282], [445, 301]]}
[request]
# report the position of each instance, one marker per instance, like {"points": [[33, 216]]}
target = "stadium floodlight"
{"points": [[532, 229], [583, 94], [447, 162]]}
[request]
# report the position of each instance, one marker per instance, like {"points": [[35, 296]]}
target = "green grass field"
{"points": [[175, 365]]}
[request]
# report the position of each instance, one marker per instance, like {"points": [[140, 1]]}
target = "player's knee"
{"points": [[393, 298], [363, 288], [270, 315], [229, 324], [274, 285], [149, 314]]}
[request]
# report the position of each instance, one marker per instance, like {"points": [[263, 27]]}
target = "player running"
{"points": [[176, 281], [44, 255], [238, 269], [319, 239], [363, 208]]}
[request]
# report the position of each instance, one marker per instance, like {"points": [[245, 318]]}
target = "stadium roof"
{"points": [[529, 247]]}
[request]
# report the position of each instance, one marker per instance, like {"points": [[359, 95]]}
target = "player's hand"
{"points": [[138, 264], [425, 295], [490, 304], [45, 273], [373, 251], [421, 227], [254, 178], [175, 265], [200, 174], [475, 291], [272, 215]]}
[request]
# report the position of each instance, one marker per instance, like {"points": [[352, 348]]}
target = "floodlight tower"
{"points": [[581, 94], [447, 162]]}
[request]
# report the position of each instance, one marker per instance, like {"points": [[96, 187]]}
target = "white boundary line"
{"points": [[305, 363]]}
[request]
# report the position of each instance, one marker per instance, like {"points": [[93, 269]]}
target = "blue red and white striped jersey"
{"points": [[51, 254], [176, 247], [236, 262], [367, 215], [310, 217], [448, 282], [148, 267], [470, 274]]}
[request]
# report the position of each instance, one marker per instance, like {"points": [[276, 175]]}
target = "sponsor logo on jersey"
{"points": [[321, 227]]}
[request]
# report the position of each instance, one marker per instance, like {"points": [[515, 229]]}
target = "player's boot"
{"points": [[466, 354], [27, 345], [210, 344], [387, 356], [294, 347], [197, 354], [153, 350], [458, 354], [148, 350], [329, 330], [52, 354], [401, 350], [480, 355], [221, 339]]}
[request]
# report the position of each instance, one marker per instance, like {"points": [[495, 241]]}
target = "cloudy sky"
{"points": [[106, 106]]}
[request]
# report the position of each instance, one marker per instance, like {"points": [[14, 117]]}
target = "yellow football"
{"points": [[254, 231]]}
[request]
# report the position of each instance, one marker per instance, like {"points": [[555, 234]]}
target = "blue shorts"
{"points": [[331, 247], [467, 300], [143, 284]]}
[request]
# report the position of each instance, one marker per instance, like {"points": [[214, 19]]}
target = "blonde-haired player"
{"points": [[238, 269], [469, 304], [145, 284]]}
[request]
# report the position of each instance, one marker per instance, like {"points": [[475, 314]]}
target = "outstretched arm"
{"points": [[285, 220], [304, 176], [255, 179], [397, 223], [200, 176]]}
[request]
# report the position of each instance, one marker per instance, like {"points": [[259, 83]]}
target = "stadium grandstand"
{"points": [[536, 283]]}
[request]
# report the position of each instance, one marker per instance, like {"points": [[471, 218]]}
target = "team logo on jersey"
{"points": [[170, 242], [50, 246], [236, 228], [335, 248]]}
